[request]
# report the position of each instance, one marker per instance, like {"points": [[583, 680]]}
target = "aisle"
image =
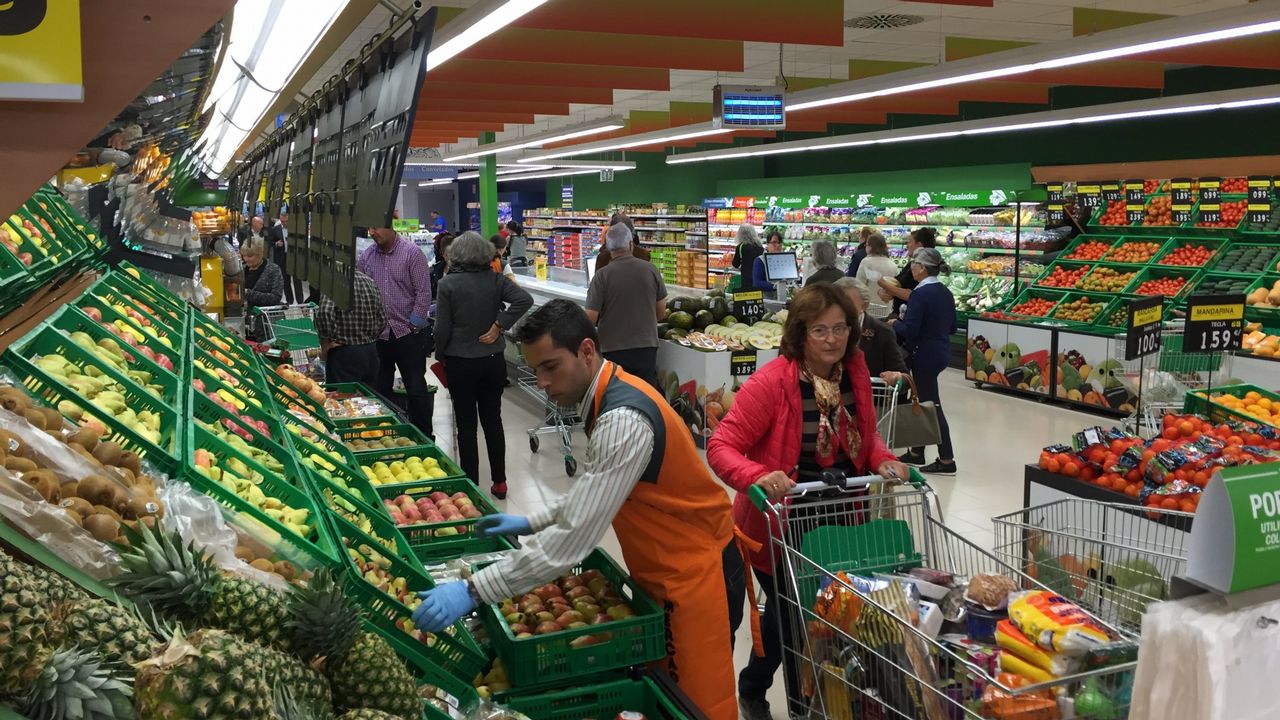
{"points": [[994, 435]]}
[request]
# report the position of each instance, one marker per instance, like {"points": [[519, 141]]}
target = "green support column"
{"points": [[488, 190]]}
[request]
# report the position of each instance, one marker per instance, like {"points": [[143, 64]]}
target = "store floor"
{"points": [[994, 436]]}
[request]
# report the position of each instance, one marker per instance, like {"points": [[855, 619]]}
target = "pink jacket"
{"points": [[761, 433]]}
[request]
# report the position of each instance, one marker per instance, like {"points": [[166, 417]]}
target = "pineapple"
{"points": [[116, 634], [53, 586], [323, 622], [182, 581], [210, 674], [24, 648], [307, 690], [367, 714], [78, 685]]}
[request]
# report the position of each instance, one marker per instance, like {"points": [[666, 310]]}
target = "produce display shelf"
{"points": [[1266, 281], [1268, 253], [320, 546], [242, 394], [173, 350], [230, 360], [200, 407], [899, 226], [1128, 240], [205, 330], [418, 440], [1064, 265], [447, 538], [1053, 295], [1108, 302], [309, 440], [602, 700], [289, 397], [1157, 272], [70, 319], [1117, 267], [1083, 239], [455, 650], [375, 529], [151, 304], [550, 659], [59, 250], [430, 673], [169, 326], [1215, 283], [355, 496], [336, 392], [1214, 245], [1199, 402], [1193, 230], [164, 454]]}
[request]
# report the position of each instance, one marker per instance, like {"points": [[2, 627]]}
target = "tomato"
{"points": [[1133, 489], [1187, 506], [1119, 484]]}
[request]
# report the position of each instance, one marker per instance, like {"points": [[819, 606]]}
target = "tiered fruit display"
{"points": [[1232, 213], [106, 395], [435, 507], [1079, 310], [302, 383], [237, 443], [1259, 342], [1169, 286], [1065, 277], [110, 352], [132, 337], [228, 401], [23, 233], [1188, 256], [573, 601], [1159, 211], [709, 315], [1114, 214], [134, 322], [1089, 250], [407, 470], [1105, 279], [1033, 307], [1137, 253], [245, 483], [1223, 285], [1248, 260], [1252, 404], [1264, 298], [387, 442]]}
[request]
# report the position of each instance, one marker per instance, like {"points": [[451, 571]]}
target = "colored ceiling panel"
{"points": [[838, 114], [1108, 73], [688, 113], [540, 73], [458, 126], [970, 3], [861, 69], [462, 113], [805, 22], [1259, 51], [584, 48], [1090, 20], [649, 120], [516, 93], [432, 103]]}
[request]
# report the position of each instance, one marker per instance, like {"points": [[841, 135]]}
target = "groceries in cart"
{"points": [[351, 406]]}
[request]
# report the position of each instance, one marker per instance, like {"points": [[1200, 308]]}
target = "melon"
{"points": [[680, 320], [703, 318]]}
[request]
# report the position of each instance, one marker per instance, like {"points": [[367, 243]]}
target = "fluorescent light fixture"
{"points": [[437, 181], [1153, 108], [475, 24], [657, 137], [586, 166], [594, 127], [1220, 24], [553, 173]]}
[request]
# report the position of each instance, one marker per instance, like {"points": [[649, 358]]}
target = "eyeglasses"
{"points": [[822, 332]]}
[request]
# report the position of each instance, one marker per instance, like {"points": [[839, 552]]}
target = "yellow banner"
{"points": [[40, 50], [1233, 311], [1147, 316]]}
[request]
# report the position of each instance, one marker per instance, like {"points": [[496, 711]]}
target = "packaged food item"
{"points": [[1000, 705], [990, 591], [1055, 623], [1011, 663], [1013, 642]]}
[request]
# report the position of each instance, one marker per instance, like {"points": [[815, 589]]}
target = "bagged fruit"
{"points": [[1055, 623]]}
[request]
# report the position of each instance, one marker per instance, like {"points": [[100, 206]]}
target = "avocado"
{"points": [[687, 304], [718, 307]]}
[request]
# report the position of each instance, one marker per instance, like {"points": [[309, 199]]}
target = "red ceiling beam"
{"points": [[801, 22], [433, 105], [457, 126], [611, 49], [542, 73], [434, 89], [462, 113]]}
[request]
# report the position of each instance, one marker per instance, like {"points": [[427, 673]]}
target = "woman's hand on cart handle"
{"points": [[503, 524], [891, 377], [894, 470], [775, 485]]}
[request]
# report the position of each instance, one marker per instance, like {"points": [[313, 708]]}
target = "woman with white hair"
{"points": [[263, 284], [824, 258], [474, 308], [749, 248]]}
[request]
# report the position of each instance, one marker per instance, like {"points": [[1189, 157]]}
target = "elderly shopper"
{"points": [[626, 300], [748, 249], [263, 284], [877, 264], [475, 308], [637, 250], [876, 340], [824, 259], [925, 330]]}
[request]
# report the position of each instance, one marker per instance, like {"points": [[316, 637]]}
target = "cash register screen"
{"points": [[781, 267]]}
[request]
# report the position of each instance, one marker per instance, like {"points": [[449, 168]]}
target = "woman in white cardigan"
{"points": [[876, 265]]}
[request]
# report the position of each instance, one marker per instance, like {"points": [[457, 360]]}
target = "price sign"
{"points": [[1089, 194], [742, 363], [748, 307], [1210, 189], [1054, 210], [1111, 191], [1133, 191], [1259, 210], [1134, 213], [1181, 200], [1215, 323], [1054, 191], [1142, 332], [1210, 212]]}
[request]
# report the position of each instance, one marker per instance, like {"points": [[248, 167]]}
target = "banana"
{"points": [[297, 517], [273, 503]]}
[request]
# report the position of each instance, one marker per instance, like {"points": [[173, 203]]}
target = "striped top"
{"points": [[808, 467]]}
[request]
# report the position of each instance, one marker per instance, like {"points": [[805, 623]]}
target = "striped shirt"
{"points": [[404, 279], [809, 467], [619, 448]]}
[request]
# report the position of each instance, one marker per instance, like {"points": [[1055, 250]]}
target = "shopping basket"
{"points": [[886, 659], [289, 328], [1112, 558]]}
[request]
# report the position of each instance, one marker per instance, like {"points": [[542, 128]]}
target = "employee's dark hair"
{"points": [[515, 228], [566, 323], [499, 242], [772, 235], [926, 236]]}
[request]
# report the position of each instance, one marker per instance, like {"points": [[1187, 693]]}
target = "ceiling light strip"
{"points": [[1157, 107], [595, 127], [475, 24], [556, 173], [686, 132]]}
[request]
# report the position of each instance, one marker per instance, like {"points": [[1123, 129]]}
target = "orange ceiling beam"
{"points": [[837, 115], [546, 73], [435, 89], [802, 22], [517, 44], [981, 91], [1107, 73], [462, 113], [461, 127], [430, 104]]}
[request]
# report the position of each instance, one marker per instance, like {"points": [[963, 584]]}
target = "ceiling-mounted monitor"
{"points": [[749, 107]]}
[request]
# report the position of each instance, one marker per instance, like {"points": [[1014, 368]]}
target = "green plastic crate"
{"points": [[1269, 254], [341, 468], [70, 320], [1063, 265], [245, 391], [204, 331], [434, 540], [167, 306], [173, 351], [601, 701], [287, 396], [455, 652], [1200, 287], [72, 217], [546, 660], [1118, 268], [200, 407], [446, 464], [455, 692], [1214, 245], [41, 266], [1193, 230], [339, 391], [416, 437], [1266, 281], [320, 545], [1053, 295], [1107, 300], [171, 326], [346, 501], [231, 360], [1130, 240], [1197, 401], [1155, 272], [1079, 240]]}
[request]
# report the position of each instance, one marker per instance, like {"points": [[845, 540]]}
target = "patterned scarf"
{"points": [[835, 426]]}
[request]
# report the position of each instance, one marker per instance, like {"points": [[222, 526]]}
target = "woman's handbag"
{"points": [[915, 425]]}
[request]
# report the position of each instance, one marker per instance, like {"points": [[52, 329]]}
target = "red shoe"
{"points": [[499, 490]]}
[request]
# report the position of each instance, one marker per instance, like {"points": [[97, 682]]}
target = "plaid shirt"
{"points": [[360, 325], [404, 279]]}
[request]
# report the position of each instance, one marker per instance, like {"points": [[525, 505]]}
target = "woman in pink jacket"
{"points": [[806, 411]]}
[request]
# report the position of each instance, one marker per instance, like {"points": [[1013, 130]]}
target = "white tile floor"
{"points": [[994, 436]]}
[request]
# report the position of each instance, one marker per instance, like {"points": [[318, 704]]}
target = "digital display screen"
{"points": [[780, 267], [742, 106]]}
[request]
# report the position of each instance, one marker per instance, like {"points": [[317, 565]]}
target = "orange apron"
{"points": [[673, 530]]}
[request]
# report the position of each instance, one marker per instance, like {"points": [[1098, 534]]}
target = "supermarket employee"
{"points": [[643, 473]]}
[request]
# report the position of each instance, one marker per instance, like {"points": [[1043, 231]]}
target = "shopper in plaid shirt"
{"points": [[402, 275], [348, 337]]}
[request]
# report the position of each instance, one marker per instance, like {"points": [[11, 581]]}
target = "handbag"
{"points": [[916, 425]]}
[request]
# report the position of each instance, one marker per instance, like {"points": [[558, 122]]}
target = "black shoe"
{"points": [[937, 467], [911, 458], [755, 708]]}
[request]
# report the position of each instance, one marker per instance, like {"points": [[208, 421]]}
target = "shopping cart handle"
{"points": [[830, 479]]}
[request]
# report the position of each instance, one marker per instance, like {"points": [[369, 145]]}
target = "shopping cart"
{"points": [[1165, 379], [885, 398], [290, 328], [884, 659], [555, 419], [1112, 558]]}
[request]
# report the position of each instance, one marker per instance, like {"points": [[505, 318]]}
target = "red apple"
{"points": [[94, 313], [438, 496]]}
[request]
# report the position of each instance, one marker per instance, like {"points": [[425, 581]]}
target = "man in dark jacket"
{"points": [[277, 239]]}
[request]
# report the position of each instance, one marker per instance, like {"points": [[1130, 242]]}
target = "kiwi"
{"points": [[244, 553], [119, 500], [124, 475], [102, 526], [20, 464], [285, 569], [104, 510], [131, 462], [85, 438], [70, 489], [52, 419], [35, 417], [76, 517], [13, 444], [14, 400], [141, 506], [108, 453], [80, 506], [263, 565], [79, 449], [95, 488], [45, 483]]}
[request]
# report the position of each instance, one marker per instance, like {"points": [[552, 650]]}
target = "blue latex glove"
{"points": [[442, 607], [503, 524], [417, 321]]}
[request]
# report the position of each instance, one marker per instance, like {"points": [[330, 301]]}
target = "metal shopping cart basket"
{"points": [[1112, 558], [291, 328], [861, 648], [885, 398], [556, 420], [1166, 379]]}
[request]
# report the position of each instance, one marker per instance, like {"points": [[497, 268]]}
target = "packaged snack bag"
{"points": [[1013, 642], [1055, 623]]}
